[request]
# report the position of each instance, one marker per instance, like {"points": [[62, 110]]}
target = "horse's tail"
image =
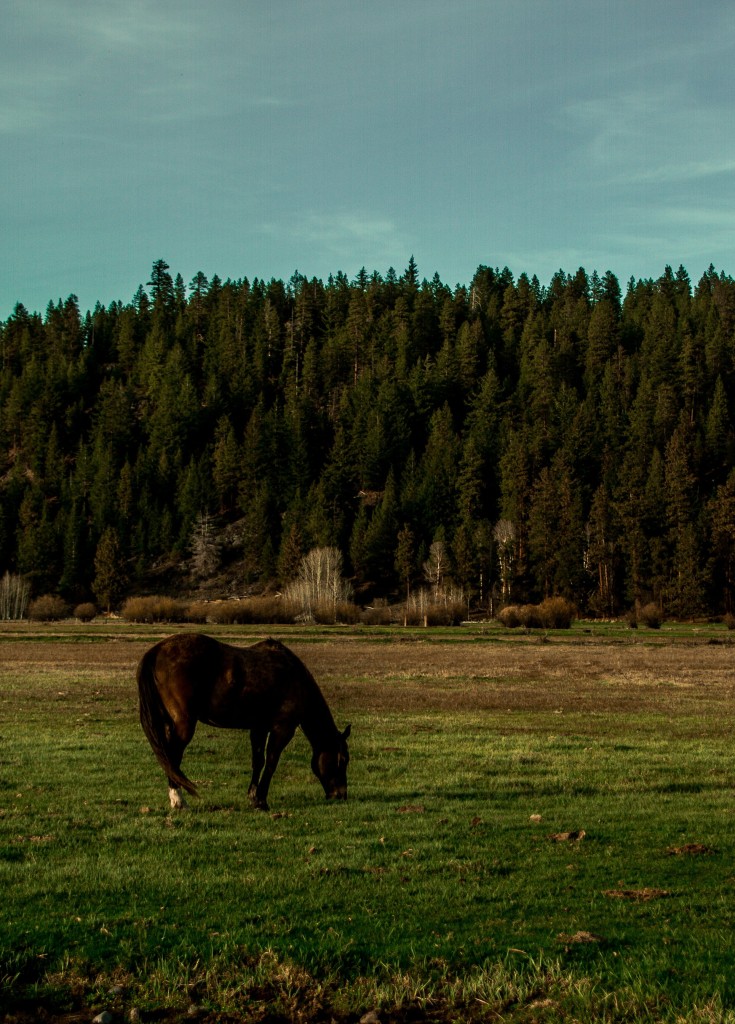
{"points": [[156, 721]]}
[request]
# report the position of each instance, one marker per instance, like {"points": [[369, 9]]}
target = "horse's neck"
{"points": [[318, 724]]}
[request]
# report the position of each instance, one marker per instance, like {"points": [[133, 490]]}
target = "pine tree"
{"points": [[226, 465], [110, 576], [291, 552], [405, 558]]}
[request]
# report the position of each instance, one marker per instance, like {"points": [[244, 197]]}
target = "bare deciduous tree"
{"points": [[435, 566], [14, 595], [505, 537], [319, 582], [205, 546]]}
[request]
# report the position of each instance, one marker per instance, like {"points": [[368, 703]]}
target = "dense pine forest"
{"points": [[517, 439]]}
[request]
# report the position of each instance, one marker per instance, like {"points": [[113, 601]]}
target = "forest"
{"points": [[522, 440]]}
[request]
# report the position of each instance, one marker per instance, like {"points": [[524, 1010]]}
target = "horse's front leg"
{"points": [[277, 741], [257, 743]]}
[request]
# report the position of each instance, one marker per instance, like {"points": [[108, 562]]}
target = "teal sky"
{"points": [[258, 137]]}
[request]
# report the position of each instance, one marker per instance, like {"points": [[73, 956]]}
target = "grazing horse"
{"points": [[190, 678]]}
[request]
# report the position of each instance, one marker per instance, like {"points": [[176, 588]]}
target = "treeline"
{"points": [[517, 440]]}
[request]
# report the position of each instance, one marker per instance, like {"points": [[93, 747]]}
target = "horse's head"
{"points": [[330, 767]]}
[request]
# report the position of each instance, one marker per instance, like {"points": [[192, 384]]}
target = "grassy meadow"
{"points": [[540, 828]]}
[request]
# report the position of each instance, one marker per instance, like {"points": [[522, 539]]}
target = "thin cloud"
{"points": [[57, 59], [642, 138], [137, 24], [692, 170], [347, 236], [700, 216]]}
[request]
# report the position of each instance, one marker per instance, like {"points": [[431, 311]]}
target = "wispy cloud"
{"points": [[648, 138], [698, 217], [344, 237], [691, 170], [135, 24], [62, 61]]}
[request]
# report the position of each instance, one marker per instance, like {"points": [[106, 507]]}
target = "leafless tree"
{"points": [[319, 582], [14, 595], [505, 537], [435, 566], [205, 547]]}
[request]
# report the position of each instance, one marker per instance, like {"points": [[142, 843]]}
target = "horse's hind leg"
{"points": [[175, 747], [257, 742], [175, 796]]}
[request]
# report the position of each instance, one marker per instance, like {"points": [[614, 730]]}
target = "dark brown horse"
{"points": [[265, 688]]}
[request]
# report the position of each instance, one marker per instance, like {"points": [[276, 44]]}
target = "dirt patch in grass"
{"points": [[637, 895], [691, 850]]}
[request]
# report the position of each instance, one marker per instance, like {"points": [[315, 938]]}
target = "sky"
{"points": [[255, 138]]}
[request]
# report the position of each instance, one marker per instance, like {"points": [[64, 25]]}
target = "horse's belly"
{"points": [[235, 720], [230, 707]]}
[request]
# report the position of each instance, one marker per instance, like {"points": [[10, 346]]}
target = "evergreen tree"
{"points": [[405, 558], [110, 576]]}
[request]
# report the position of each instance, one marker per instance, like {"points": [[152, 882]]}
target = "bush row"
{"points": [[553, 613], [275, 610], [52, 608], [248, 611]]}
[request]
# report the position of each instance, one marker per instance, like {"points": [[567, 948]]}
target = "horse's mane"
{"points": [[317, 723]]}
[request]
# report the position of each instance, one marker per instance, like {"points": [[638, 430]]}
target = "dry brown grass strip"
{"points": [[598, 679]]}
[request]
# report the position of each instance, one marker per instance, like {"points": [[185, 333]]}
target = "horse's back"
{"points": [[227, 686], [274, 680]]}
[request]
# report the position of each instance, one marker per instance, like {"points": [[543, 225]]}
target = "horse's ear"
{"points": [[346, 733]]}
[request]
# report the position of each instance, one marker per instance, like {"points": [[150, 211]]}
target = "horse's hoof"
{"points": [[261, 805]]}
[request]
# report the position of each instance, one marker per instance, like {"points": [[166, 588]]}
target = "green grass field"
{"points": [[443, 890]]}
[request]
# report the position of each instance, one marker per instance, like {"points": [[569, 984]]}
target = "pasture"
{"points": [[539, 828]]}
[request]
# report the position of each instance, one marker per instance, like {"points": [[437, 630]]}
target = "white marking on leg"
{"points": [[175, 798]]}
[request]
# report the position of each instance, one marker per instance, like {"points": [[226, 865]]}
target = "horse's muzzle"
{"points": [[337, 794]]}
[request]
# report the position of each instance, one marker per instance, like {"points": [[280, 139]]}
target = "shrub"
{"points": [[197, 612], [424, 608], [650, 615], [347, 613], [328, 613], [224, 613], [48, 608], [413, 615], [85, 612], [552, 613], [377, 615], [729, 620], [530, 616], [509, 616], [557, 613], [154, 609], [246, 611], [449, 614]]}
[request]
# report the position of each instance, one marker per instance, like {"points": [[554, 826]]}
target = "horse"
{"points": [[264, 688]]}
